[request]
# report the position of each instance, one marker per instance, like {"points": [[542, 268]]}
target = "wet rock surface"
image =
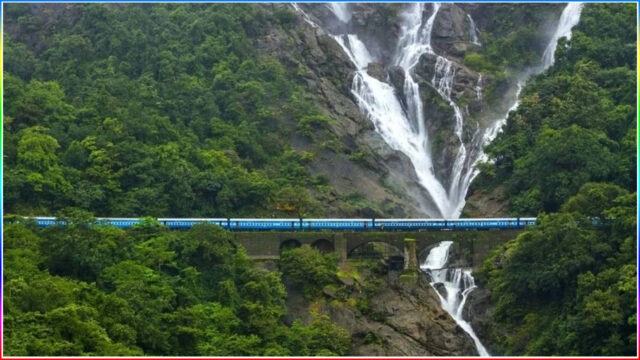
{"points": [[400, 320], [477, 312], [327, 73], [451, 27]]}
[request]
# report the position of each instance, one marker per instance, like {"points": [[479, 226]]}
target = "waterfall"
{"points": [[457, 283], [402, 125], [304, 15], [340, 10], [569, 18], [403, 130], [473, 31]]}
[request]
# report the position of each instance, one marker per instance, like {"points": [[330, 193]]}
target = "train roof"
{"points": [[264, 219], [369, 219], [192, 219], [118, 219]]}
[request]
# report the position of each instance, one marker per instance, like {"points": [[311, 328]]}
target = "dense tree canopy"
{"points": [[161, 110], [568, 286], [174, 110], [86, 290], [576, 122]]}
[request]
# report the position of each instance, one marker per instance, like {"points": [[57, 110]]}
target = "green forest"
{"points": [[86, 290], [174, 110], [124, 113], [569, 154]]}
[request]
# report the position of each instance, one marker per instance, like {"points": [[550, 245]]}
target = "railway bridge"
{"points": [[407, 239], [412, 246]]}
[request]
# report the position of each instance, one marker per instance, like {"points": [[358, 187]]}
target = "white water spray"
{"points": [[479, 88], [403, 127], [340, 10], [569, 18], [473, 31], [457, 283]]}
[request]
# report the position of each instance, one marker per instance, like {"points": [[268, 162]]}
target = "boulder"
{"points": [[451, 31]]}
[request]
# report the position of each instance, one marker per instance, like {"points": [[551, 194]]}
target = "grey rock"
{"points": [[450, 29], [405, 320], [478, 311], [377, 71]]}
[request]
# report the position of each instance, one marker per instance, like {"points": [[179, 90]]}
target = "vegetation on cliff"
{"points": [[568, 286], [175, 110], [119, 110], [576, 122], [91, 290]]}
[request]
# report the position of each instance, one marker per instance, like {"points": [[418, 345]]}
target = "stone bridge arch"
{"points": [[289, 243], [476, 243], [323, 245], [357, 240]]}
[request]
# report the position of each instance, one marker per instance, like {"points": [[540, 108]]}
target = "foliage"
{"points": [[308, 268], [321, 338], [100, 290], [567, 286], [512, 36], [118, 111], [576, 123]]}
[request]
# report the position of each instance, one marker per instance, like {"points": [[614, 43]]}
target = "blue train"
{"points": [[319, 224]]}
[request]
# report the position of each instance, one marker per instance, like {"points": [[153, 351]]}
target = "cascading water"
{"points": [[457, 283], [569, 18], [473, 31], [340, 10], [404, 130], [403, 127], [479, 87]]}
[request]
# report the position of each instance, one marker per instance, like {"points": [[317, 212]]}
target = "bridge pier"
{"points": [[410, 255]]}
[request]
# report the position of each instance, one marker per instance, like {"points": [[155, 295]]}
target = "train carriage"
{"points": [[409, 224], [177, 223], [123, 223], [264, 224], [48, 221], [337, 224]]}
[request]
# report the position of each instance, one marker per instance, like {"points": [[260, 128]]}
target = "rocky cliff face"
{"points": [[382, 175], [478, 311], [454, 35], [400, 320]]}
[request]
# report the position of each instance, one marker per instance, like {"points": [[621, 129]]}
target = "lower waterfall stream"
{"points": [[458, 283]]}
